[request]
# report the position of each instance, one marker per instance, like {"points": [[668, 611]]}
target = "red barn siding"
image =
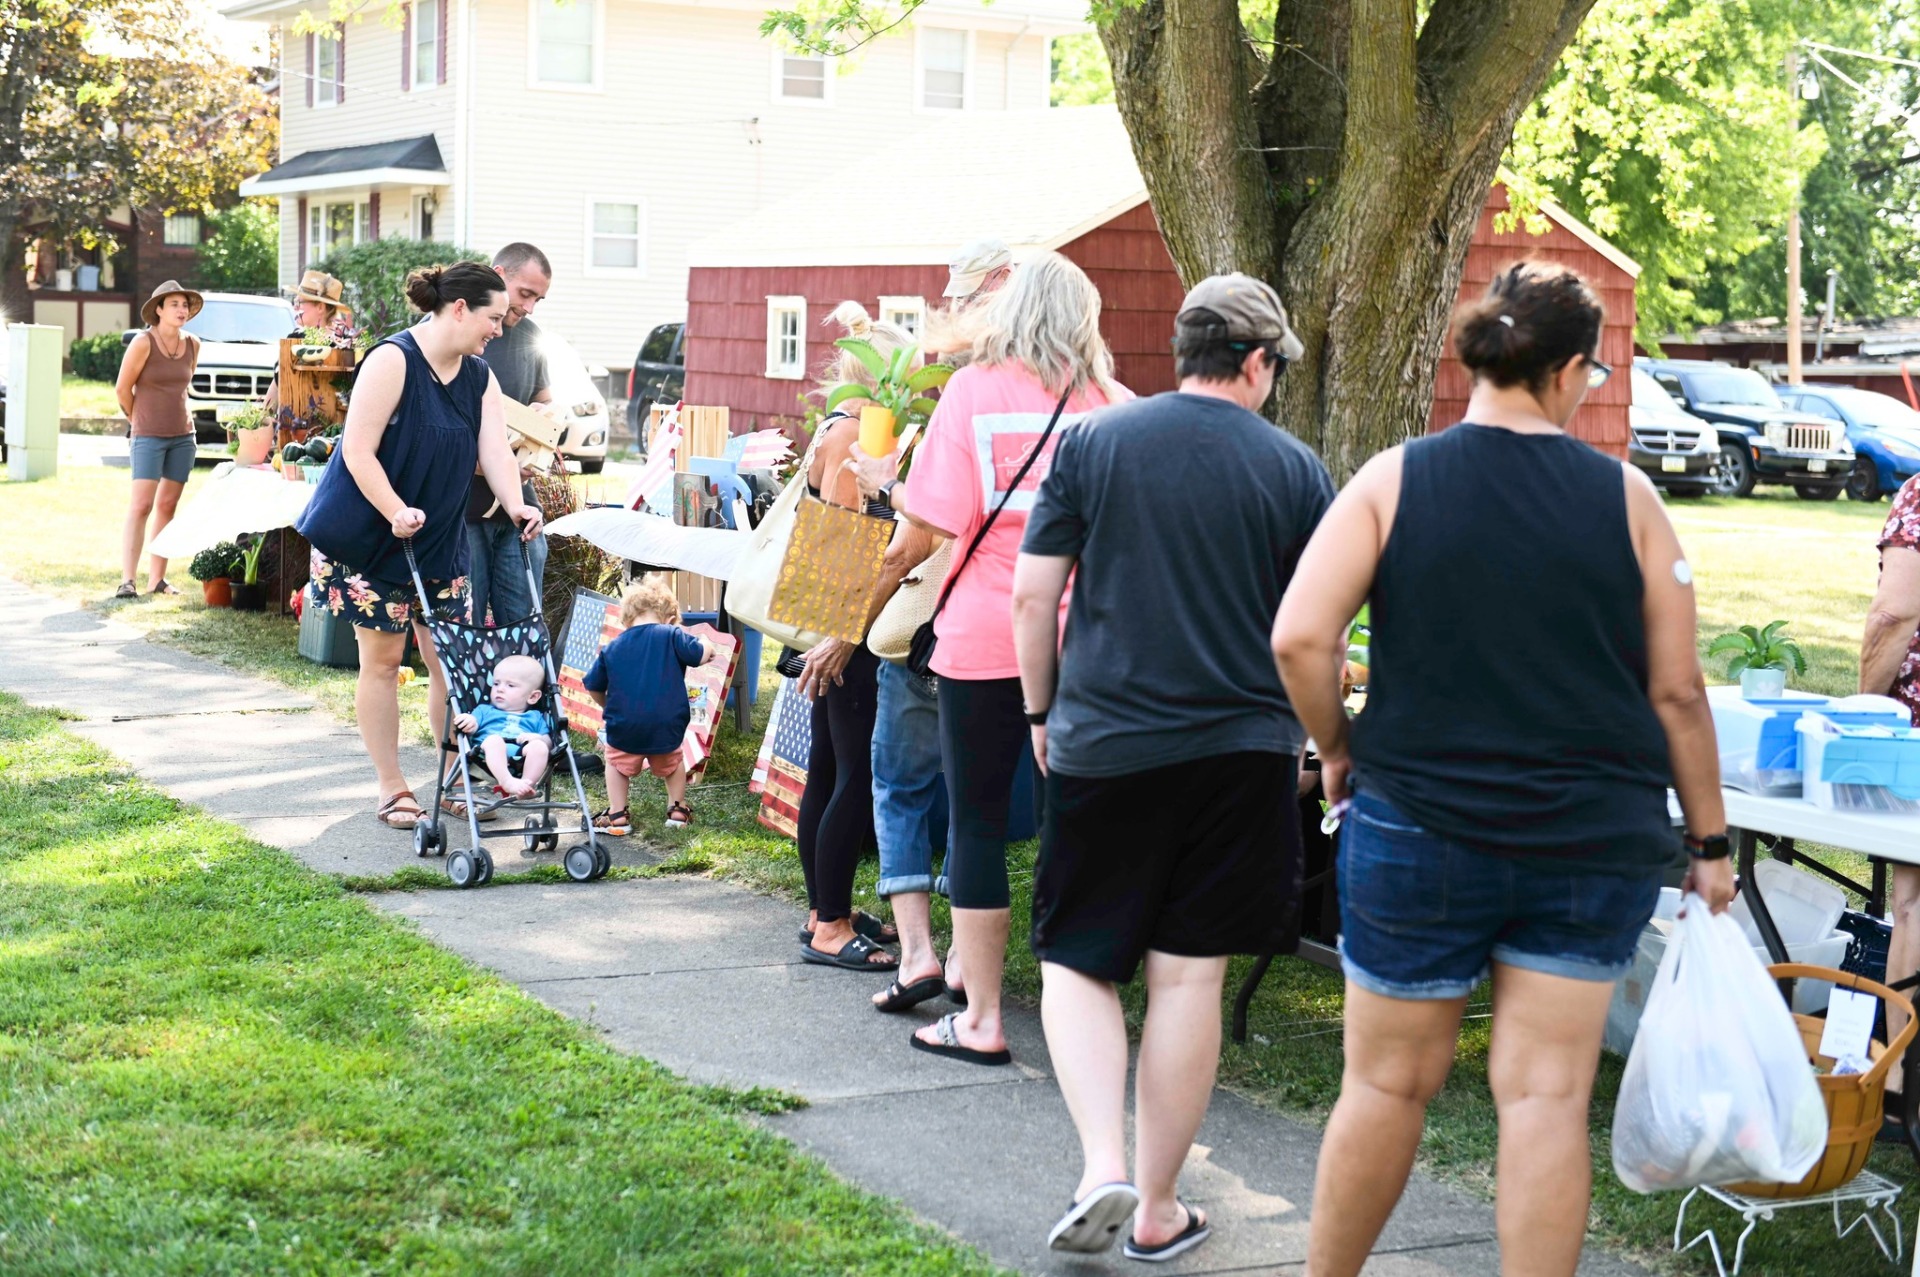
{"points": [[1140, 291]]}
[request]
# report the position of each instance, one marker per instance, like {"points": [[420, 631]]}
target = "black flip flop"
{"points": [[864, 924], [853, 956], [949, 1045], [902, 996], [1196, 1231]]}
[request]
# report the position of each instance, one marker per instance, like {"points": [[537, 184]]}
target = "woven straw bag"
{"points": [[911, 606]]}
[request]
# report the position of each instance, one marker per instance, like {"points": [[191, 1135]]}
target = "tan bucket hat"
{"points": [[318, 286], [151, 307]]}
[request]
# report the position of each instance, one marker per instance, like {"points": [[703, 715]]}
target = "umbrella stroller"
{"points": [[468, 653]]}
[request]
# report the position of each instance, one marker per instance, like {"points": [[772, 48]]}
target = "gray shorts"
{"points": [[163, 458]]}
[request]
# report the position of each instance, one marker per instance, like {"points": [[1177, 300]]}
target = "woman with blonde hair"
{"points": [[1039, 366], [836, 812]]}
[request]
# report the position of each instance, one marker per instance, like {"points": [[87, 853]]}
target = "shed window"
{"points": [[786, 342], [909, 313]]}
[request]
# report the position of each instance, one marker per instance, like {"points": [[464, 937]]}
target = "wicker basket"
{"points": [[1855, 1102]]}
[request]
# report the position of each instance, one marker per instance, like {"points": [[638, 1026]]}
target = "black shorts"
{"points": [[1199, 859]]}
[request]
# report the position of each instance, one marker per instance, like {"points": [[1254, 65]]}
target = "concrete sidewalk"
{"points": [[704, 978]]}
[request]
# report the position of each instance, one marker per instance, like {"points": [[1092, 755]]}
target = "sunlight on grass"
{"points": [[83, 397]]}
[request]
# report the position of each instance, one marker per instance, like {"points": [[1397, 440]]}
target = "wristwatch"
{"points": [[1038, 718], [886, 491], [1712, 847]]}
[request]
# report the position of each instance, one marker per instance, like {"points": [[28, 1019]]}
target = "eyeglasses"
{"points": [[1272, 349], [1597, 373]]}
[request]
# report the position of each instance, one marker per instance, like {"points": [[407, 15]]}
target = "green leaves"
{"points": [[847, 390], [872, 360], [1755, 648], [897, 386]]}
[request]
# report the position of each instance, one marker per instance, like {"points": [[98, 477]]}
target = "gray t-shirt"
{"points": [[1187, 515], [521, 369]]}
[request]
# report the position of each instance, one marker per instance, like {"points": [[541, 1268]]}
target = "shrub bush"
{"points": [[375, 277], [241, 252], [216, 561], [97, 358]]}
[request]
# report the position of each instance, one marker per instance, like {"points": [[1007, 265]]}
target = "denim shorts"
{"points": [[157, 457], [1422, 917]]}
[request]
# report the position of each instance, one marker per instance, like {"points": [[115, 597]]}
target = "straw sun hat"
{"points": [[150, 308], [318, 286]]}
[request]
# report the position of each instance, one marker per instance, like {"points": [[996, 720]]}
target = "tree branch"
{"points": [[1482, 61], [1302, 104]]}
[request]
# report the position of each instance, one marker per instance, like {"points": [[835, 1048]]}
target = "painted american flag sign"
{"points": [[781, 774], [595, 622], [658, 472]]}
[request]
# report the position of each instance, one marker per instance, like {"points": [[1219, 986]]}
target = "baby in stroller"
{"points": [[510, 729]]}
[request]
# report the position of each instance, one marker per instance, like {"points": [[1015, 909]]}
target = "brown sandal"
{"points": [[391, 815]]}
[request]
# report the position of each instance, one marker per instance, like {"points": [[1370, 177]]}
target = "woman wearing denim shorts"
{"points": [[152, 389], [1534, 690]]}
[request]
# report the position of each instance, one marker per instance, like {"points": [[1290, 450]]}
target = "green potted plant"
{"points": [[897, 398], [1761, 659], [252, 429], [213, 568], [248, 594]]}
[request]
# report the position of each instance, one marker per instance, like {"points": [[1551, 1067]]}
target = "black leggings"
{"points": [[836, 811], [983, 735]]}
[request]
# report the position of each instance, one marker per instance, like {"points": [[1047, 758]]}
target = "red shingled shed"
{"points": [[759, 291]]}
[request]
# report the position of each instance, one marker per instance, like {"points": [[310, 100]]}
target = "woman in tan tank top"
{"points": [[154, 376]]}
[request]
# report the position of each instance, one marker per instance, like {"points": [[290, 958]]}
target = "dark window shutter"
{"points": [[310, 65], [373, 217], [302, 262], [440, 49], [406, 49], [340, 64]]}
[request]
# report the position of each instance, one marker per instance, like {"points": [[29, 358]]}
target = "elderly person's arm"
{"points": [[1891, 620], [376, 393], [499, 465]]}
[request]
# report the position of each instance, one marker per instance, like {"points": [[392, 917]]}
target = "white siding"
{"points": [[671, 128]]}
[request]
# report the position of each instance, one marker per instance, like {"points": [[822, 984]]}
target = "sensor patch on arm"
{"points": [[1683, 572]]}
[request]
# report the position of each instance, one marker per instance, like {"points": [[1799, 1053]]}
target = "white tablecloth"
{"points": [[232, 500]]}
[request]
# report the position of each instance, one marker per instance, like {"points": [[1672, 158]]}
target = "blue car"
{"points": [[1884, 432]]}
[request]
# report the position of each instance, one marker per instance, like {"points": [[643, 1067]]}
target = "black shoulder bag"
{"points": [[920, 651]]}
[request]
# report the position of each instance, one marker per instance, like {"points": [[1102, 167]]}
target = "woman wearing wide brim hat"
{"points": [[152, 389], [316, 304]]}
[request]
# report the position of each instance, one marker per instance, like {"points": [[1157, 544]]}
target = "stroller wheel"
{"points": [[462, 869], [429, 839], [603, 861], [582, 864], [485, 863]]}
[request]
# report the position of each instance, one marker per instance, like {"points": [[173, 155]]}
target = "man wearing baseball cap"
{"points": [[1171, 835], [977, 269]]}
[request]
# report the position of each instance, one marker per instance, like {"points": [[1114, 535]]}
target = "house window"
{"points": [[943, 69], [799, 77], [909, 313], [614, 232], [326, 69], [786, 343], [337, 225], [181, 231], [426, 43], [563, 43]]}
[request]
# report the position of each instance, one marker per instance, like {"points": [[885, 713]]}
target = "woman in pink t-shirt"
{"points": [[1040, 354]]}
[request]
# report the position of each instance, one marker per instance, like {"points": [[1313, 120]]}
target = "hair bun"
{"points": [[423, 288], [853, 317]]}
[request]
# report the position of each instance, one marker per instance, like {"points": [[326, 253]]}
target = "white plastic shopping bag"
{"points": [[1718, 1088]]}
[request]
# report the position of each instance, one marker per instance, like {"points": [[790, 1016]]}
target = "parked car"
{"points": [[1676, 449], [1761, 439], [1884, 432], [659, 376], [577, 399], [239, 353]]}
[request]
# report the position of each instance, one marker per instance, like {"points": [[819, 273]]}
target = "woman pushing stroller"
{"points": [[425, 410]]}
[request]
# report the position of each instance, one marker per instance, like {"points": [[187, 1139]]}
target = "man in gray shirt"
{"points": [[498, 579], [1172, 832]]}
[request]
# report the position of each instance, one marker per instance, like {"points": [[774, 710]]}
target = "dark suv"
{"points": [[659, 376], [1761, 439]]}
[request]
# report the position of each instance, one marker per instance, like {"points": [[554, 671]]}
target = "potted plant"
{"points": [[897, 398], [253, 430], [248, 594], [1761, 658], [213, 568]]}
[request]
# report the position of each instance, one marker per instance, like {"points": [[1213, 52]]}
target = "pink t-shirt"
{"points": [[988, 420]]}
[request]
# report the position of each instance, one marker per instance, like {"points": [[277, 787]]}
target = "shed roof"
{"points": [[1035, 179]]}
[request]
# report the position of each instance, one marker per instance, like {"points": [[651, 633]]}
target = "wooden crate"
{"points": [[704, 432]]}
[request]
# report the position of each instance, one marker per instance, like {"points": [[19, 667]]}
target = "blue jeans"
{"points": [[906, 781], [497, 575], [1422, 917]]}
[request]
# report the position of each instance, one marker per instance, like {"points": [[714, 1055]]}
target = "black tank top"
{"points": [[1507, 702]]}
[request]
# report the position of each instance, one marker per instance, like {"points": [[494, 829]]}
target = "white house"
{"points": [[613, 133]]}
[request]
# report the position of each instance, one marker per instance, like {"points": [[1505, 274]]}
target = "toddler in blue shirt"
{"points": [[510, 728]]}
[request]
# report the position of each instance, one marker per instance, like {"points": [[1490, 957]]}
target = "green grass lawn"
{"points": [[1754, 560], [215, 1060], [83, 397]]}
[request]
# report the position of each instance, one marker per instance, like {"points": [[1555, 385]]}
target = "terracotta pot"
{"points": [[249, 598], [217, 592], [254, 446]]}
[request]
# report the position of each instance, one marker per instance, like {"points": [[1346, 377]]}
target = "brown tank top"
{"points": [[160, 392]]}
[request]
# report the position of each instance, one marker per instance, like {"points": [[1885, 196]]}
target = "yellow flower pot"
{"points": [[876, 431]]}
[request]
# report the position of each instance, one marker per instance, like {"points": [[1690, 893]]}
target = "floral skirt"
{"points": [[389, 609]]}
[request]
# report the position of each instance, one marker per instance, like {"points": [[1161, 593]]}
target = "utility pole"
{"points": [[1793, 237]]}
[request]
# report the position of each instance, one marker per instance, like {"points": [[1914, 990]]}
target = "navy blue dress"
{"points": [[429, 451]]}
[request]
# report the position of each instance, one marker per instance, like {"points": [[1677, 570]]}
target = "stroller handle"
{"points": [[526, 565]]}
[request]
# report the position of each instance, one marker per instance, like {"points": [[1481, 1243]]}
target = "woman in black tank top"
{"points": [[1533, 691]]}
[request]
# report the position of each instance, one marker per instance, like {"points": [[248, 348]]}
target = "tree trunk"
{"points": [[1350, 169]]}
